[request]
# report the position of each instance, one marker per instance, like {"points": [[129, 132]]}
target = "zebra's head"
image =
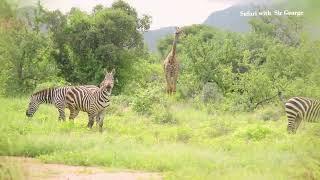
{"points": [[33, 106], [108, 81]]}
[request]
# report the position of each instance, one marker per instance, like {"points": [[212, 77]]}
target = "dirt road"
{"points": [[34, 169]]}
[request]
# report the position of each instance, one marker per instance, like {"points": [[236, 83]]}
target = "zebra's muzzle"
{"points": [[28, 114]]}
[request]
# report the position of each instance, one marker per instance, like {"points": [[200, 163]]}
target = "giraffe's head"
{"points": [[178, 31], [108, 81]]}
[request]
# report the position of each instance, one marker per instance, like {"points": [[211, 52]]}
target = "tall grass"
{"points": [[198, 145]]}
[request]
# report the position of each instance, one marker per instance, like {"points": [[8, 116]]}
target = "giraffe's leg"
{"points": [[168, 79], [174, 85], [174, 79], [171, 85]]}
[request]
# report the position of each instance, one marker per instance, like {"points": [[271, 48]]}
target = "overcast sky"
{"points": [[164, 12]]}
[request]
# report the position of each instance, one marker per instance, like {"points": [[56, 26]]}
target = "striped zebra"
{"points": [[55, 96], [80, 98], [301, 108]]}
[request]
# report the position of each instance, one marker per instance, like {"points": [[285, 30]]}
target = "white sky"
{"points": [[164, 12]]}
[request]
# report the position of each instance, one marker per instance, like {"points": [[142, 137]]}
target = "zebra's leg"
{"points": [[61, 107], [297, 124], [73, 114], [100, 119], [91, 120], [291, 122]]}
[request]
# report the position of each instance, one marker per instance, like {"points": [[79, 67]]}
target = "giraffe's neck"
{"points": [[174, 46]]}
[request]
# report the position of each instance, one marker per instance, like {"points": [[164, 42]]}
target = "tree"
{"points": [[25, 57], [286, 29], [88, 43]]}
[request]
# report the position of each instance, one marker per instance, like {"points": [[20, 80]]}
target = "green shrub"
{"points": [[255, 133], [211, 93], [163, 115], [270, 113], [184, 134], [145, 99]]}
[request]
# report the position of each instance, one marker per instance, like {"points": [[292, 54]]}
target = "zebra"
{"points": [[80, 98], [301, 108], [55, 96]]}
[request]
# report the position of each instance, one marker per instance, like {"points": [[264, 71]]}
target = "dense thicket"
{"points": [[276, 60], [76, 47]]}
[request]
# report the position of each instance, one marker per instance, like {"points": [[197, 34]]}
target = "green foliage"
{"points": [[248, 70], [26, 60], [145, 99], [107, 38], [287, 29], [186, 136], [200, 146], [6, 10], [256, 133], [272, 113], [211, 93]]}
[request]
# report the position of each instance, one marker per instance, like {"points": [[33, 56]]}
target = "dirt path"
{"points": [[34, 169]]}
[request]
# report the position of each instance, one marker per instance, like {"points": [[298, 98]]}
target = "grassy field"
{"points": [[196, 144]]}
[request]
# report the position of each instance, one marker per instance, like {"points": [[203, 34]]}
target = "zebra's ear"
{"points": [[105, 71]]}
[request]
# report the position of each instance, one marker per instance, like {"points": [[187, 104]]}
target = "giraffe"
{"points": [[171, 65]]}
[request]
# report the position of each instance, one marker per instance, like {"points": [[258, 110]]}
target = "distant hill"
{"points": [[228, 19], [153, 36]]}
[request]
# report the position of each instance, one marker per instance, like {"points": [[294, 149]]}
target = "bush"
{"points": [[211, 93], [145, 99], [163, 115], [270, 113], [257, 133], [184, 134]]}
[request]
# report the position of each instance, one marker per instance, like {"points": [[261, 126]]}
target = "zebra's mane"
{"points": [[43, 90]]}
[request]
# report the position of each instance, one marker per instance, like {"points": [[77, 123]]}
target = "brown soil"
{"points": [[34, 169]]}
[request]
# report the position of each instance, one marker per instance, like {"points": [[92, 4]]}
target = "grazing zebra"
{"points": [[80, 98], [55, 96], [301, 108]]}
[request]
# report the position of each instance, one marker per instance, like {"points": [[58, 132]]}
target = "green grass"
{"points": [[197, 146]]}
